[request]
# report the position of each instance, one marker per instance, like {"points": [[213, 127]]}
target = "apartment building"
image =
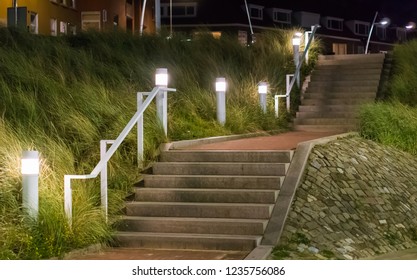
{"points": [[343, 31], [48, 17], [55, 17]]}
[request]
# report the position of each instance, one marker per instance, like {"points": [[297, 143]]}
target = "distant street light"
{"points": [[410, 25], [221, 100], [384, 22]]}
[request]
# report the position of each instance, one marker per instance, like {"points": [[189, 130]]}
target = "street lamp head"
{"points": [[263, 88], [384, 22], [161, 77], [221, 84], [410, 25]]}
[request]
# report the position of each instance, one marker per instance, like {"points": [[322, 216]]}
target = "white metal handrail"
{"points": [[105, 154], [299, 65]]}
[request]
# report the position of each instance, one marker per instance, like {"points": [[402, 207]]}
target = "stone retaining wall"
{"points": [[357, 200]]}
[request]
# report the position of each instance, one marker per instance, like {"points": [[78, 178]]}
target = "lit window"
{"points": [[281, 16], [63, 27], [91, 20], [179, 9], [54, 25], [33, 28]]}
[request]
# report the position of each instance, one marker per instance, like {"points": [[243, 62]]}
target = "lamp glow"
{"points": [[410, 25], [30, 163], [263, 88], [161, 77], [296, 39], [221, 84]]}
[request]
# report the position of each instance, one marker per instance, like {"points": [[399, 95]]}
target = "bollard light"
{"points": [[161, 77], [296, 42], [263, 90], [221, 86], [296, 39], [30, 177], [161, 80]]}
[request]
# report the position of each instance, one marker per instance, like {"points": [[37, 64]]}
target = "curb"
{"points": [[286, 195]]}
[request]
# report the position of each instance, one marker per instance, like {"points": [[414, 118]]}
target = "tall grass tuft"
{"points": [[62, 95]]}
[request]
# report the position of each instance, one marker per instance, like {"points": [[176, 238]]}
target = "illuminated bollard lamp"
{"points": [[221, 100], [263, 91], [161, 80], [30, 178]]}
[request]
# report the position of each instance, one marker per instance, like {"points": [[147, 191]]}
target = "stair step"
{"points": [[334, 71], [213, 181], [325, 128], [353, 57], [328, 108], [339, 95], [322, 121], [219, 168], [204, 210], [338, 88], [193, 225], [337, 101], [206, 195], [226, 156], [350, 115], [329, 76], [186, 241], [348, 83]]}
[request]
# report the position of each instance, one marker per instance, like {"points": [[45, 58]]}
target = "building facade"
{"points": [[342, 31], [55, 17], [48, 17]]}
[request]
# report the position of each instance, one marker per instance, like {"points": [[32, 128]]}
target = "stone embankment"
{"points": [[358, 199]]}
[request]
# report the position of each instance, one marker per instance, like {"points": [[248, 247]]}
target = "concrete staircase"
{"points": [[206, 200], [338, 86]]}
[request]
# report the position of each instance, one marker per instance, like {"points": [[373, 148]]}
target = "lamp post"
{"points": [[263, 90], [221, 100], [296, 42], [30, 178], [161, 80], [383, 22]]}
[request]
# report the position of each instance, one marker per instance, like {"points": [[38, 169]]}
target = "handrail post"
{"points": [[287, 88], [103, 177], [68, 198], [140, 136]]}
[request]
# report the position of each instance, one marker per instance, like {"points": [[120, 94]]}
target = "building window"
{"points": [[90, 20], [256, 12], [33, 25], [54, 27], [339, 49], [381, 33], [362, 29], [401, 34], [179, 9], [335, 24], [281, 16], [63, 29]]}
